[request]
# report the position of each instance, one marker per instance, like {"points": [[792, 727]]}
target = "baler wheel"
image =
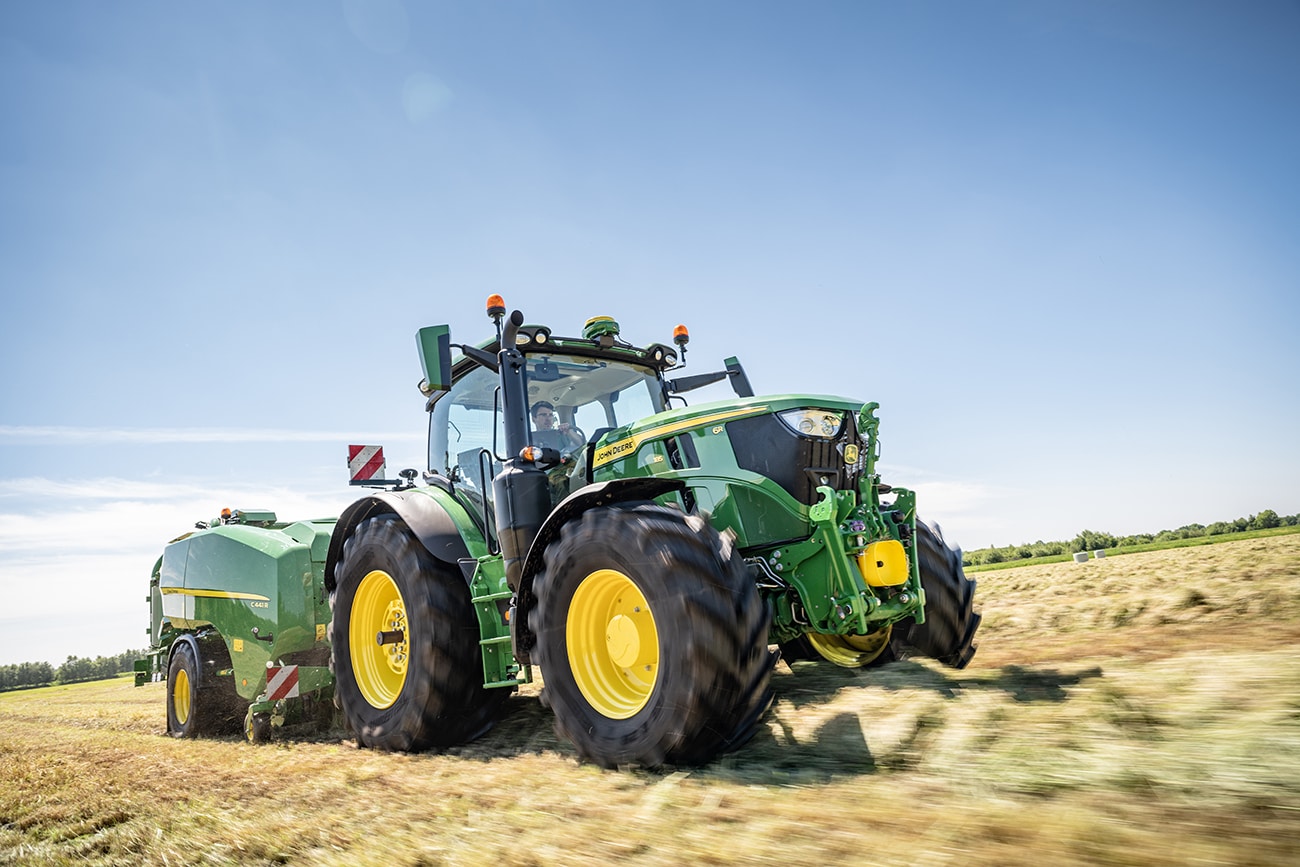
{"points": [[193, 707], [257, 728], [405, 644], [652, 638], [181, 692]]}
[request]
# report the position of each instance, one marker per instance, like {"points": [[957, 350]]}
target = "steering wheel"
{"points": [[581, 443]]}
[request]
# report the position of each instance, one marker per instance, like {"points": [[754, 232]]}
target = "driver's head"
{"points": [[543, 415]]}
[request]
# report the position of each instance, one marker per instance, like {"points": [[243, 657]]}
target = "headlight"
{"points": [[660, 355], [813, 422], [532, 334]]}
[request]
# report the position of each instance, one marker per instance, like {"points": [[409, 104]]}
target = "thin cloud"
{"points": [[957, 495], [46, 435], [98, 489], [968, 511], [94, 543], [47, 492], [116, 515]]}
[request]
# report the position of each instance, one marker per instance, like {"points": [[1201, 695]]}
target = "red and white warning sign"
{"points": [[366, 463], [282, 682]]}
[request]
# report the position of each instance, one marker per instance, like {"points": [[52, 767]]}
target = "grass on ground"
{"points": [[1140, 710]]}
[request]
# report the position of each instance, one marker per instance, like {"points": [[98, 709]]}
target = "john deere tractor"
{"points": [[579, 518]]}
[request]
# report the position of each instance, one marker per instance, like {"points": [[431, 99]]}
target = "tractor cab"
{"points": [[573, 400], [575, 391]]}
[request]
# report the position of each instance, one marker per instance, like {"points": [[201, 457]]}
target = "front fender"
{"points": [[422, 509]]}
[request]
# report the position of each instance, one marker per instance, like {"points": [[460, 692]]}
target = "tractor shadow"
{"points": [[809, 681], [840, 743], [838, 747], [525, 726]]}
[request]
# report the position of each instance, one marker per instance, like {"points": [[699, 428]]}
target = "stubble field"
{"points": [[1137, 710]]}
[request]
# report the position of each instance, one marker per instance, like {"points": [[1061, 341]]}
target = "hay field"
{"points": [[1138, 710]]}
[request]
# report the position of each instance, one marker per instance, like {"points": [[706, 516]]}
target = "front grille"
{"points": [[764, 445]]}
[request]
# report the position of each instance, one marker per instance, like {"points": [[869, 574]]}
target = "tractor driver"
{"points": [[563, 438]]}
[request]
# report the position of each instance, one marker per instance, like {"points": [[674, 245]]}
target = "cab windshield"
{"points": [[572, 400]]}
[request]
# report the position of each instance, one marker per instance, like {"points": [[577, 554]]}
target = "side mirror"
{"points": [[434, 345], [739, 381], [734, 372]]}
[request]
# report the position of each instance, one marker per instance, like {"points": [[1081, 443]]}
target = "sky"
{"points": [[1059, 243]]}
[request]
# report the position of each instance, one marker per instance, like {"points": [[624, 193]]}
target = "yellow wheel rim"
{"points": [[181, 696], [851, 651], [379, 669], [613, 644]]}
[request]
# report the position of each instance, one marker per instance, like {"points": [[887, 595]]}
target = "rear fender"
{"points": [[209, 648], [420, 509], [184, 638]]}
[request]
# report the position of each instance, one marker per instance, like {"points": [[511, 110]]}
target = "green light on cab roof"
{"points": [[599, 326]]}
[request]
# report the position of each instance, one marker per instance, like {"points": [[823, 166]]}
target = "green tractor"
{"points": [[578, 517]]}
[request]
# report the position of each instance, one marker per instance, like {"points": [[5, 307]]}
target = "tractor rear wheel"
{"points": [[405, 641], [948, 633], [651, 638]]}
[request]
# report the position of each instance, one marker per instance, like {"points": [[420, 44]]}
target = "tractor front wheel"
{"points": [[846, 651], [651, 638], [405, 641], [948, 633]]}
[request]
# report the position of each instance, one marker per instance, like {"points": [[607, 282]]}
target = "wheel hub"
{"points": [[181, 696], [379, 669], [851, 651], [613, 644], [622, 641]]}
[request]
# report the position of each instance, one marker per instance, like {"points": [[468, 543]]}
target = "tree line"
{"points": [[75, 669], [1091, 540]]}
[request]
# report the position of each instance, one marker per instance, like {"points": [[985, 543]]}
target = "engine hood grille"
{"points": [[799, 464]]}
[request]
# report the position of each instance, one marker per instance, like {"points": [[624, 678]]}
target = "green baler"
{"points": [[238, 606]]}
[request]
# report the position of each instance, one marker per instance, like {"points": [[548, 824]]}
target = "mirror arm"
{"points": [[484, 358], [690, 383]]}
